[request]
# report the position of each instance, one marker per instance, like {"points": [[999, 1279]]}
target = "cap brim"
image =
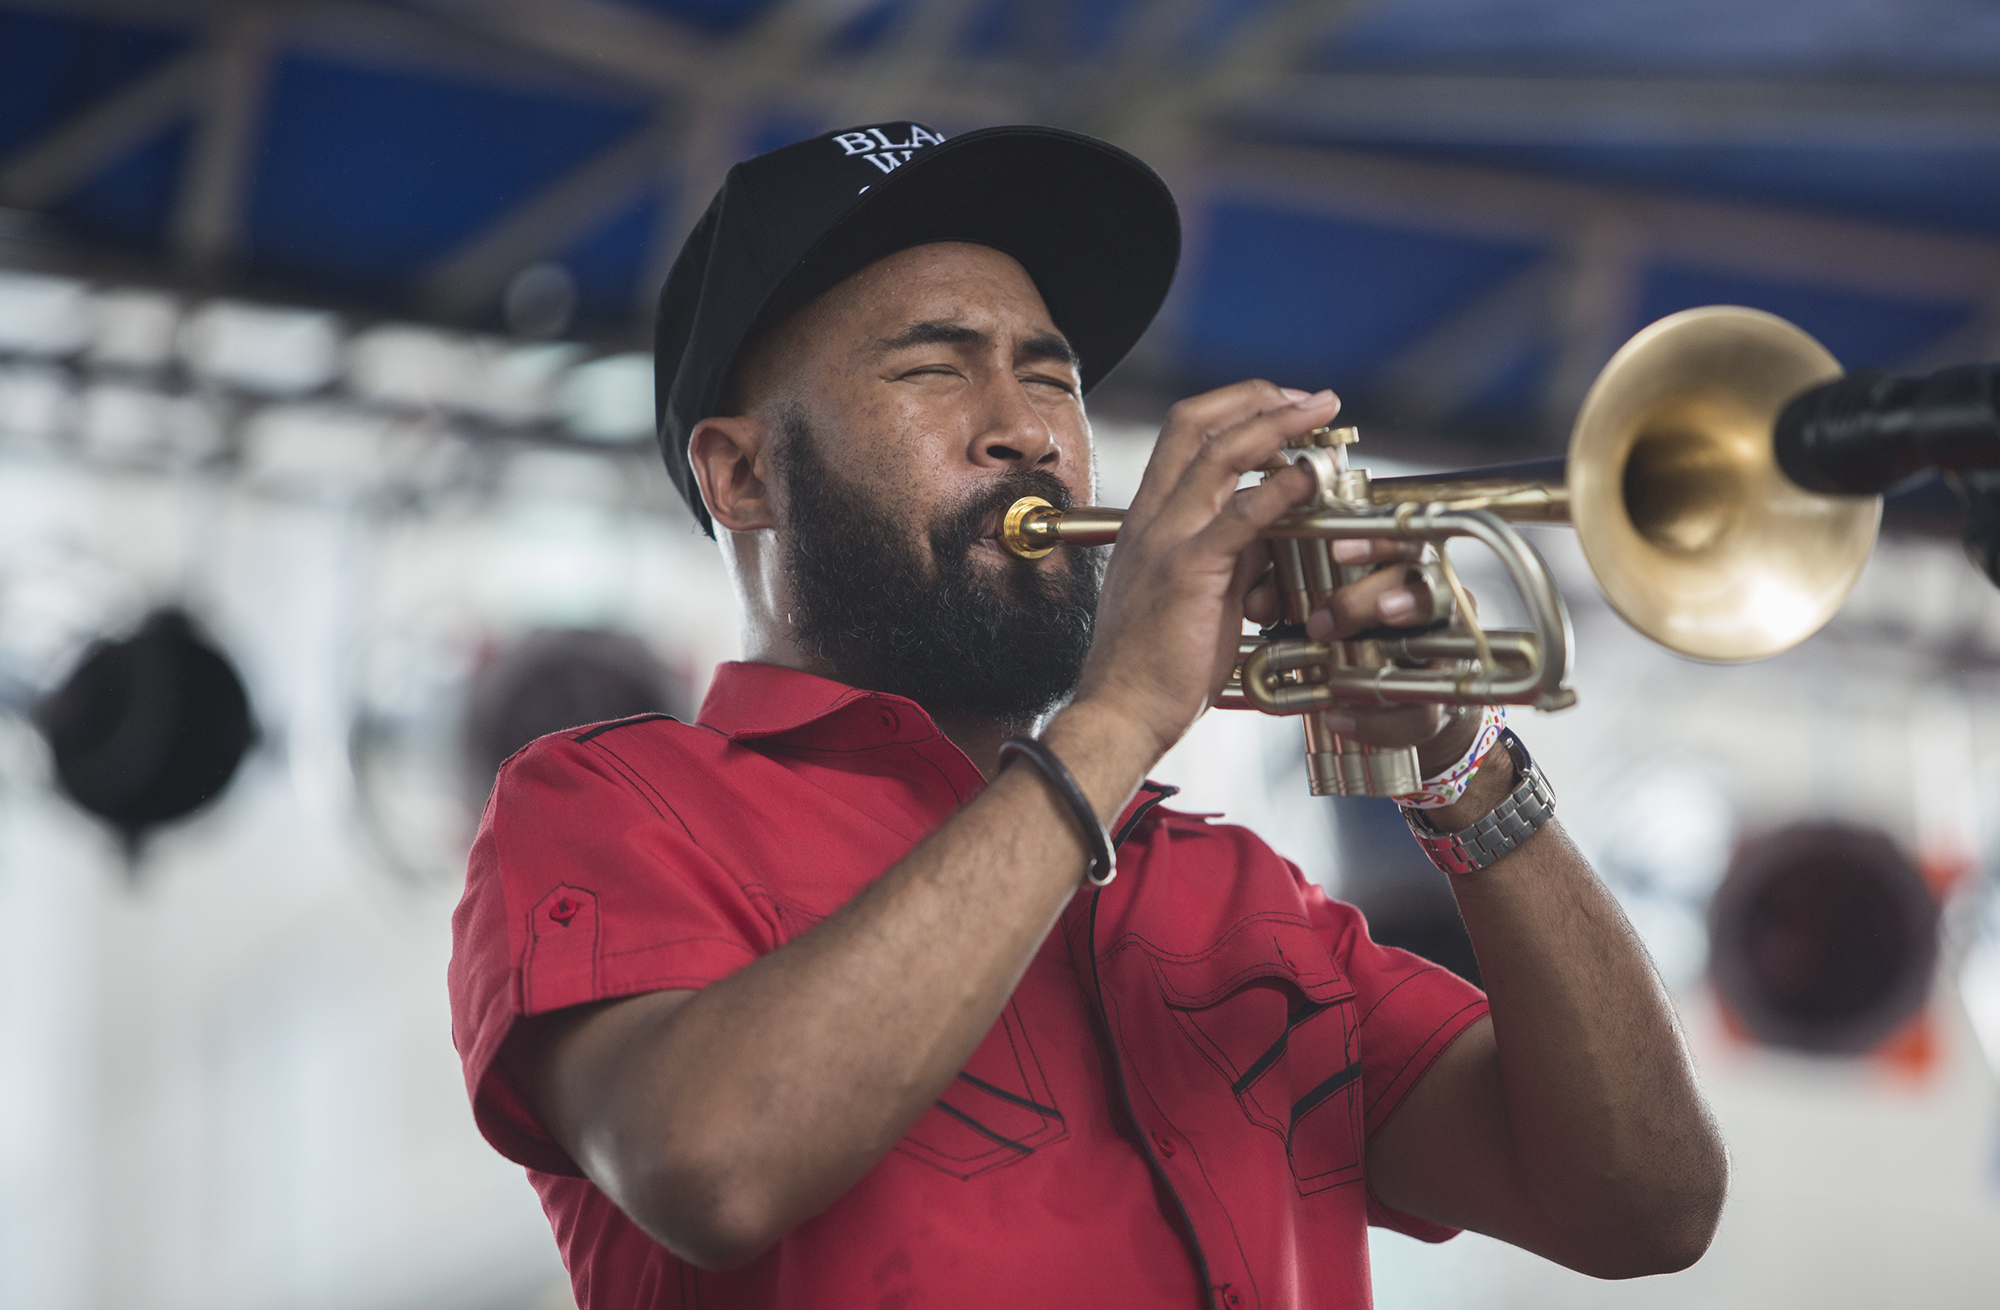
{"points": [[1095, 228]]}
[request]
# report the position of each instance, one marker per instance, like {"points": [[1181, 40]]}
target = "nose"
{"points": [[1014, 434]]}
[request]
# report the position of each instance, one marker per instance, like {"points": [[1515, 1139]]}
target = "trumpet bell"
{"points": [[1695, 535]]}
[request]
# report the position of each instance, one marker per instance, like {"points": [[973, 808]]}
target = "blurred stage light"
{"points": [[411, 367], [48, 317], [1823, 938], [609, 399], [262, 350], [37, 406], [134, 330], [314, 449], [518, 384], [150, 728], [124, 424]]}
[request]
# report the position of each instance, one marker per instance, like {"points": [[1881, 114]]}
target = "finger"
{"points": [[1248, 512], [1375, 550], [1253, 563], [1392, 596], [1262, 604], [1194, 419], [1206, 454], [1213, 476], [1400, 725]]}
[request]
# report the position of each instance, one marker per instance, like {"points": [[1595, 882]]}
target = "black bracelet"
{"points": [[1103, 866]]}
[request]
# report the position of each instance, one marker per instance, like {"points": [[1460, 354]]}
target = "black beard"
{"points": [[952, 637]]}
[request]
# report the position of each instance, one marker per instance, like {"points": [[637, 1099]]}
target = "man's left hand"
{"points": [[1387, 597]]}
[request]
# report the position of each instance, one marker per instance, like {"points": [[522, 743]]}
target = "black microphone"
{"points": [[1864, 433]]}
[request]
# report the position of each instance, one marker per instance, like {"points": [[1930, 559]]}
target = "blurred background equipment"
{"points": [[149, 728], [556, 679], [1824, 938]]}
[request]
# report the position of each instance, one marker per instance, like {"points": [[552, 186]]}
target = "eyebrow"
{"points": [[943, 332]]}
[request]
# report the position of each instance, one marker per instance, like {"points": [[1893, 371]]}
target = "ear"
{"points": [[730, 466]]}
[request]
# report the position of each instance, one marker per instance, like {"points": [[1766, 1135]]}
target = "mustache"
{"points": [[953, 536]]}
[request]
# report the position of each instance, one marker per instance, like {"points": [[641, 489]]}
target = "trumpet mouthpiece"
{"points": [[1027, 529]]}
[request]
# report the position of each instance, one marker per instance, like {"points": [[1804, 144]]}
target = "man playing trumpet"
{"points": [[832, 997]]}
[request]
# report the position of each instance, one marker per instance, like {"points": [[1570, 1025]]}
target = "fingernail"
{"points": [[1319, 625], [1351, 551], [1396, 606], [1293, 393], [1315, 400], [1339, 723]]}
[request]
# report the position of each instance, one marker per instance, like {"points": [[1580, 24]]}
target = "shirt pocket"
{"points": [[998, 1111], [1272, 1014]]}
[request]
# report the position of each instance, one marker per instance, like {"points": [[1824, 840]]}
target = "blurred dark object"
{"points": [[556, 679], [149, 729], [1823, 937], [1863, 433], [1978, 492], [1406, 899], [1871, 432]]}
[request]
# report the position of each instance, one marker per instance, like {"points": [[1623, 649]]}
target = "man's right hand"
{"points": [[1172, 608]]}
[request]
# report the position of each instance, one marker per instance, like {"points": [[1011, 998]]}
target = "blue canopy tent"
{"points": [[1453, 210]]}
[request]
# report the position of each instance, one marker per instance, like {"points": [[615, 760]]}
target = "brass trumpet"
{"points": [[1691, 530]]}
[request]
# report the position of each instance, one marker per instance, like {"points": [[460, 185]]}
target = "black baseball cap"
{"points": [[1094, 227]]}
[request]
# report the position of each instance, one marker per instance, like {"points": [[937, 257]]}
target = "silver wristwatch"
{"points": [[1499, 830]]}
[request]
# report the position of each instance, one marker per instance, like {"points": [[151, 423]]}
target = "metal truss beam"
{"points": [[1627, 111], [1448, 366], [1502, 205], [50, 168], [467, 280], [208, 212], [377, 36], [603, 36]]}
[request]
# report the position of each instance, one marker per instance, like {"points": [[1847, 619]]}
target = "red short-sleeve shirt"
{"points": [[1171, 1111]]}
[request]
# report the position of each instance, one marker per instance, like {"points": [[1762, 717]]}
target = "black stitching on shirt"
{"points": [[1005, 1095], [1277, 1050], [980, 1128], [1324, 1090], [602, 728]]}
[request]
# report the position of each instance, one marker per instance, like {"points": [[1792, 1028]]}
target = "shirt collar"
{"points": [[747, 701]]}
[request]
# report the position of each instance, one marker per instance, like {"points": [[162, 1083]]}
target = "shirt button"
{"points": [[1164, 1145], [1230, 1296], [889, 720]]}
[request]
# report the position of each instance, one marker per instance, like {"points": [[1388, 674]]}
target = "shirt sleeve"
{"points": [[1408, 1010], [583, 885]]}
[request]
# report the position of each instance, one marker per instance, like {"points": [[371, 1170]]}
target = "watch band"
{"points": [[1530, 805]]}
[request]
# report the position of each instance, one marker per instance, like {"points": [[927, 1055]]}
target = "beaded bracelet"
{"points": [[1445, 789]]}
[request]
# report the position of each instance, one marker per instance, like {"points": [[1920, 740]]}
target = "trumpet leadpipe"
{"points": [[1536, 491]]}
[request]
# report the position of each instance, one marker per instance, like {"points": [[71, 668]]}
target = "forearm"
{"points": [[764, 1097], [1608, 1134]]}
